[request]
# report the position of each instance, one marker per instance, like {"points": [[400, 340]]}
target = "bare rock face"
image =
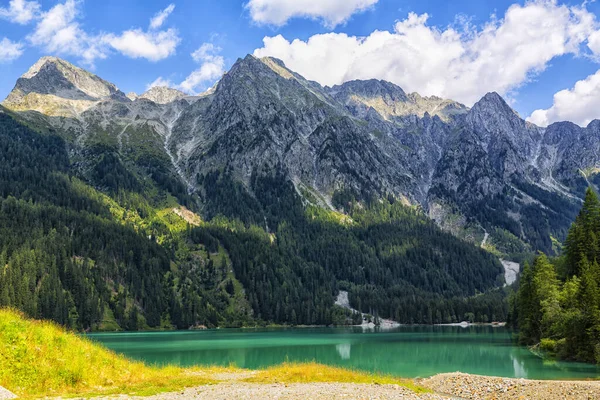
{"points": [[479, 172], [162, 95], [390, 101], [57, 88]]}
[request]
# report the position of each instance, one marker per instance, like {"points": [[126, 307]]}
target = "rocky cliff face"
{"points": [[475, 171]]}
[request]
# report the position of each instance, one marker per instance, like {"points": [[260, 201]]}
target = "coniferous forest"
{"points": [[557, 307], [109, 246]]}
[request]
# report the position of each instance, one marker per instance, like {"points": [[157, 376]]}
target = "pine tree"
{"points": [[589, 300], [582, 239], [546, 289], [527, 318]]}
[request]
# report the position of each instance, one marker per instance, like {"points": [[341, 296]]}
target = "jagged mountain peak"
{"points": [[493, 114], [391, 101], [594, 125], [52, 75], [35, 68], [56, 87], [162, 94], [494, 103], [371, 88]]}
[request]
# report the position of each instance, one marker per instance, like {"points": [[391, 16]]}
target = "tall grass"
{"points": [[39, 358], [313, 372]]}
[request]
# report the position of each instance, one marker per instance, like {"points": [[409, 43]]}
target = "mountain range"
{"points": [[483, 173], [474, 171]]}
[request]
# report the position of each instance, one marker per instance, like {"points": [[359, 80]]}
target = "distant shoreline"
{"points": [[384, 326]]}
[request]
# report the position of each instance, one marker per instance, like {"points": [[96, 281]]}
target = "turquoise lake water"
{"points": [[405, 351]]}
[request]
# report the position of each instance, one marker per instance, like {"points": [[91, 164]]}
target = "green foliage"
{"points": [[88, 261], [394, 262], [563, 315], [104, 248]]}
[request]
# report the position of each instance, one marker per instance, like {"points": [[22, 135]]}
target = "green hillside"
{"points": [[106, 243]]}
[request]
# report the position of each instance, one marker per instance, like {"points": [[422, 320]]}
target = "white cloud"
{"points": [[331, 12], [160, 17], [462, 64], [152, 45], [9, 50], [20, 11], [208, 71], [204, 52], [594, 43], [136, 43], [580, 104], [160, 81], [212, 67], [59, 32]]}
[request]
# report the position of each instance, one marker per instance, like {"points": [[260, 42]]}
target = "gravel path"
{"points": [[456, 386], [295, 391], [465, 386]]}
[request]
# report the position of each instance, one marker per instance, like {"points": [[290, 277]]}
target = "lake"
{"points": [[415, 351]]}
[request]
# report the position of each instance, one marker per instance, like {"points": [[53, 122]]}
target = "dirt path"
{"points": [[296, 391]]}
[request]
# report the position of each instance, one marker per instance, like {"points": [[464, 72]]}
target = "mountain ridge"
{"points": [[369, 137]]}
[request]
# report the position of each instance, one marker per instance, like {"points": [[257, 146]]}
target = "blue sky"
{"points": [[540, 55]]}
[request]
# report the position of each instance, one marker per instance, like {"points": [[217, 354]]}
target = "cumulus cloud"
{"points": [[212, 67], [20, 11], [331, 12], [594, 43], [160, 17], [459, 63], [59, 32], [580, 104], [153, 46], [9, 50]]}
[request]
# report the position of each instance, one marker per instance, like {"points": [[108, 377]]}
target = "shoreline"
{"points": [[468, 386], [385, 324], [454, 385]]}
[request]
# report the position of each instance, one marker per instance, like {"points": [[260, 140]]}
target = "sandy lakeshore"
{"points": [[443, 386]]}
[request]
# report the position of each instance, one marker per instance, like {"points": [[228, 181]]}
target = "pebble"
{"points": [[478, 387]]}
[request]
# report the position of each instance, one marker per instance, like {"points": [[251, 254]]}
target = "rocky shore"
{"points": [[465, 386], [443, 386]]}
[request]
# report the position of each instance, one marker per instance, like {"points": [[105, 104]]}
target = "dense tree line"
{"points": [[557, 307], [65, 256], [394, 262], [93, 260]]}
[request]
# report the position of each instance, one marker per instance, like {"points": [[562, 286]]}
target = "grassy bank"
{"points": [[39, 358]]}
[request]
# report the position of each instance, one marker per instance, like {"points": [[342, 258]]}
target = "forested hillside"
{"points": [[557, 308], [110, 250], [74, 255]]}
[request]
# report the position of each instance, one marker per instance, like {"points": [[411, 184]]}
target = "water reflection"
{"points": [[343, 350], [519, 369], [405, 351]]}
